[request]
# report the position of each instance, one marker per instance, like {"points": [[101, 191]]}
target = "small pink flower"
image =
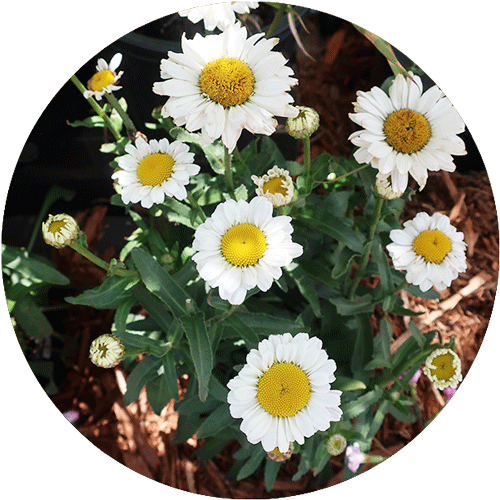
{"points": [[355, 457], [449, 392], [415, 377], [71, 415]]}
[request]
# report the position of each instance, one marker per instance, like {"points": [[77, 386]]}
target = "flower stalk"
{"points": [[100, 112], [228, 174], [129, 125], [78, 247], [368, 247], [280, 12]]}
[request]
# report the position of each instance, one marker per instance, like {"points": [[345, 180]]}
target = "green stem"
{"points": [[97, 108], [132, 352], [228, 172], [195, 205], [129, 125], [356, 170], [368, 247], [307, 157], [78, 247], [223, 316], [277, 18]]}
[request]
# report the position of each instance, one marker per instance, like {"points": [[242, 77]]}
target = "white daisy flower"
{"points": [[283, 392], [242, 246], [430, 250], [407, 132], [276, 185], [220, 15], [224, 83], [106, 351], [444, 368], [60, 230], [104, 81], [151, 171]]}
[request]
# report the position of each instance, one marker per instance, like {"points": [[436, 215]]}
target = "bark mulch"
{"points": [[141, 440]]}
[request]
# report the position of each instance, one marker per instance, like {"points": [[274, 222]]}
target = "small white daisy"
{"points": [[383, 188], [283, 392], [444, 368], [220, 15], [106, 78], [151, 171], [276, 185], [106, 351], [60, 230], [242, 246], [224, 83], [430, 250], [407, 132]]}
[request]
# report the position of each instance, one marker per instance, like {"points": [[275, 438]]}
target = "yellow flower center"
{"points": [[243, 245], [274, 186], [433, 246], [227, 80], [56, 226], [101, 80], [407, 131], [155, 169], [444, 368], [283, 390]]}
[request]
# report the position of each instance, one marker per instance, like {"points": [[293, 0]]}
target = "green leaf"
{"points": [[90, 122], [160, 283], [335, 227], [305, 286], [347, 384], [384, 269], [270, 472], [33, 267], [200, 348], [266, 324], [216, 422], [358, 305], [417, 334], [251, 465], [321, 458], [354, 408], [143, 372], [31, 319], [430, 294], [109, 295], [246, 332], [156, 309]]}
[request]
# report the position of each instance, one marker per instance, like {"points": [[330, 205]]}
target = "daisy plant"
{"points": [[267, 279]]}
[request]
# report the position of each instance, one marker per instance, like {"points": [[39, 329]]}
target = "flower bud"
{"points": [[336, 444], [277, 456], [304, 124], [383, 188], [106, 351], [60, 230]]}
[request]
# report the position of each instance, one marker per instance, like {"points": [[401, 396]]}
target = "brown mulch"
{"points": [[135, 436]]}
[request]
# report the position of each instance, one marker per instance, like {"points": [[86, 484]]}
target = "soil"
{"points": [[141, 440]]}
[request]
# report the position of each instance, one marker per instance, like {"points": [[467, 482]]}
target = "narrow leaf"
{"points": [[144, 371], [160, 283], [200, 348], [216, 422], [109, 295]]}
